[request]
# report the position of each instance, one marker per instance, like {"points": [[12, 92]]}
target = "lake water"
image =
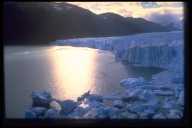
{"points": [[67, 72]]}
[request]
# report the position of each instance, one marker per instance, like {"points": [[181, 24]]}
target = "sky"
{"points": [[160, 12]]}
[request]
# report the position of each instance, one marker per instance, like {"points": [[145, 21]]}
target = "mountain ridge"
{"points": [[34, 22]]}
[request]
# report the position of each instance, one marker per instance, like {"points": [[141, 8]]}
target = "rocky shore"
{"points": [[160, 98]]}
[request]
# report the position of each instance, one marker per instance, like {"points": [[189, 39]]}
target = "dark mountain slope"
{"points": [[41, 22]]}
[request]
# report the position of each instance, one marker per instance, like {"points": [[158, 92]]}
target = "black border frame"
{"points": [[184, 122]]}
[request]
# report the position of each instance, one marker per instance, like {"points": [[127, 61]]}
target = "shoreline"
{"points": [[160, 98]]}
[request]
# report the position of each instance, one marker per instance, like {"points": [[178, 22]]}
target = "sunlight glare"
{"points": [[74, 75]]}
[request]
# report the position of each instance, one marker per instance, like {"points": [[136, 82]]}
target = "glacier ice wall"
{"points": [[161, 49]]}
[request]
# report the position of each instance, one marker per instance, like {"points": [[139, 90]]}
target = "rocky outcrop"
{"points": [[41, 99]]}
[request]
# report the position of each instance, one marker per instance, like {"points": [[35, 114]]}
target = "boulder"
{"points": [[101, 113], [118, 104], [91, 114], [144, 115], [168, 104], [107, 102], [41, 99], [165, 88], [67, 106], [148, 113], [178, 80], [163, 93], [30, 114], [128, 115], [147, 109], [132, 82], [55, 105], [91, 97], [159, 116], [82, 97], [178, 90], [149, 87], [51, 113], [94, 97], [78, 112], [39, 111], [149, 97], [180, 100], [137, 108], [110, 112], [111, 97], [174, 114], [94, 104], [132, 95]]}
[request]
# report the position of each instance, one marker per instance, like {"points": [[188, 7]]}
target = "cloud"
{"points": [[150, 5], [161, 12], [167, 16], [171, 4]]}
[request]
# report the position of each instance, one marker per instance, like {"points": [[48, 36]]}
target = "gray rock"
{"points": [[181, 98], [91, 97], [137, 108], [85, 95], [51, 113], [149, 87], [128, 115], [91, 114], [68, 106], [78, 112], [111, 98], [110, 112], [178, 90], [168, 104], [147, 114], [55, 105], [118, 104], [147, 95], [163, 93], [131, 82], [174, 114], [39, 111], [144, 116], [41, 99], [94, 104], [157, 87], [159, 116], [101, 113], [147, 109], [178, 80], [166, 88], [94, 97], [30, 114], [132, 95]]}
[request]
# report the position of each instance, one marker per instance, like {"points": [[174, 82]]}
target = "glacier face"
{"points": [[160, 49]]}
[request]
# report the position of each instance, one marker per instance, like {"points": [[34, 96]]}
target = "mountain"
{"points": [[41, 22], [174, 25]]}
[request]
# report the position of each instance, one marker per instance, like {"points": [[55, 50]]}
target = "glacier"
{"points": [[158, 49], [160, 98]]}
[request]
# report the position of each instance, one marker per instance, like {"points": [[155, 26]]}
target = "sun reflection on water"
{"points": [[76, 75]]}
